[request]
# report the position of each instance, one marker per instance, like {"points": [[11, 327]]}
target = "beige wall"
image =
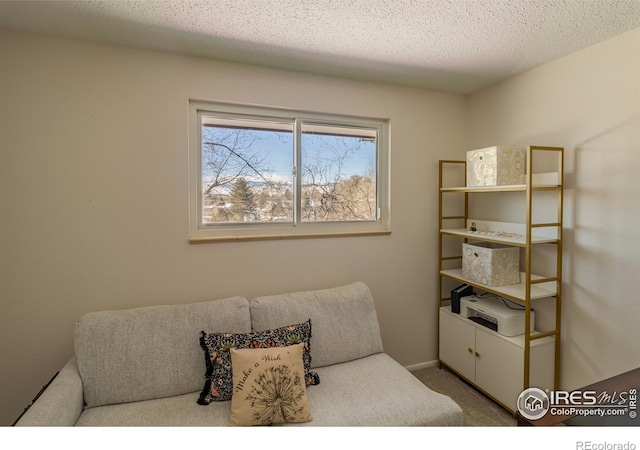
{"points": [[589, 103], [93, 194]]}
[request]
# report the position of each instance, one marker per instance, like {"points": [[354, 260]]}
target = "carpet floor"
{"points": [[479, 410]]}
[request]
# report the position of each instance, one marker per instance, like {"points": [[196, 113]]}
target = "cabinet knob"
{"points": [[470, 350], [477, 355]]}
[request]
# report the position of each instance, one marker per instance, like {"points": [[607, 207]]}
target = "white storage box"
{"points": [[491, 264], [496, 166]]}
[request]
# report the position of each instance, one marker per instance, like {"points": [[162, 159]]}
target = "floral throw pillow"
{"points": [[269, 387], [218, 385]]}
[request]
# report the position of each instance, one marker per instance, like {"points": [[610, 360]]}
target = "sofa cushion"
{"points": [[268, 386], [377, 391], [372, 391], [178, 411], [219, 375], [150, 352], [345, 324]]}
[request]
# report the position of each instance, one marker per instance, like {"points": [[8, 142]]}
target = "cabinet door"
{"points": [[457, 344], [499, 367]]}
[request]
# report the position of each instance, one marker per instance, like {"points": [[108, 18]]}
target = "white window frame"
{"points": [[199, 232]]}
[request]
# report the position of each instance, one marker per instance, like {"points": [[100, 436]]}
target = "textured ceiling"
{"points": [[456, 46]]}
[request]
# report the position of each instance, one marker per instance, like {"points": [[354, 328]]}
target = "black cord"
{"points": [[508, 303]]}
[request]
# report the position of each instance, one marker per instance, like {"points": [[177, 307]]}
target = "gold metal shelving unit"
{"points": [[531, 286]]}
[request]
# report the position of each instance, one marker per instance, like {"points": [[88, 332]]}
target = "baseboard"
{"points": [[423, 365]]}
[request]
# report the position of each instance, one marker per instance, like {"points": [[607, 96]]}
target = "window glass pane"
{"points": [[338, 169], [246, 171]]}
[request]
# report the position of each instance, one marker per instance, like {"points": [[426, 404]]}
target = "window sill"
{"points": [[216, 239]]}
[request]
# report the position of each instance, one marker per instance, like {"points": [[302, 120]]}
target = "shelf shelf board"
{"points": [[514, 291], [517, 241], [502, 188]]}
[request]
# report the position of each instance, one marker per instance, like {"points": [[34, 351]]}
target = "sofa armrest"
{"points": [[60, 404]]}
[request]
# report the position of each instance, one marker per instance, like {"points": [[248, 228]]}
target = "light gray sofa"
{"points": [[145, 366]]}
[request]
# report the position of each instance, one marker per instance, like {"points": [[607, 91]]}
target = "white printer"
{"points": [[501, 315]]}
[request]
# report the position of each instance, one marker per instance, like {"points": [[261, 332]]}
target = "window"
{"points": [[272, 173]]}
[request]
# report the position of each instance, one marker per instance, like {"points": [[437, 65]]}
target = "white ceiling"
{"points": [[457, 46]]}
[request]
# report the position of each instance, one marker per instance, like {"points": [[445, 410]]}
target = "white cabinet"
{"points": [[501, 366], [457, 344], [492, 362]]}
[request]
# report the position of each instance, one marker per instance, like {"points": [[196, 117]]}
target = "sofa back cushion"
{"points": [[150, 352], [344, 324]]}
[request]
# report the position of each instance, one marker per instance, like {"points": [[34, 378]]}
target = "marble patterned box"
{"points": [[491, 264], [496, 166]]}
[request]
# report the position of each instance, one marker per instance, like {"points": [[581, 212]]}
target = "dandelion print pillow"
{"points": [[268, 386], [219, 374]]}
